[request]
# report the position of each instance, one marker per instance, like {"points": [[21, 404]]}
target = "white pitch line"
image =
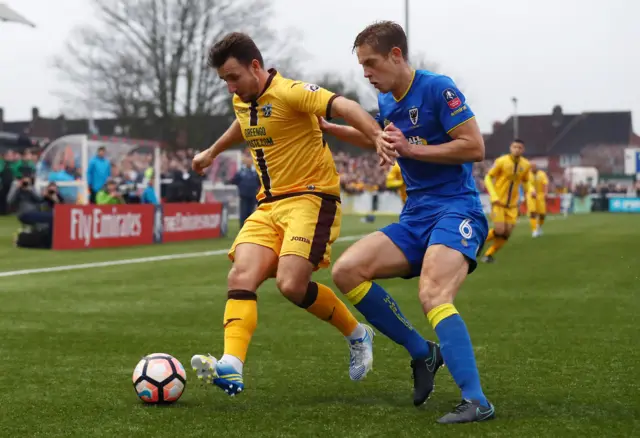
{"points": [[149, 259], [132, 261]]}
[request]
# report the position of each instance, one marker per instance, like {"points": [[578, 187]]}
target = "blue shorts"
{"points": [[459, 225]]}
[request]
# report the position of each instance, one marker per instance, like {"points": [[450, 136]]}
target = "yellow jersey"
{"points": [[539, 182], [281, 129], [509, 172], [395, 181]]}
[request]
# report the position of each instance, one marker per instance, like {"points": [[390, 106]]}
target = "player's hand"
{"points": [[324, 125], [398, 141], [534, 195], [385, 150], [201, 161]]}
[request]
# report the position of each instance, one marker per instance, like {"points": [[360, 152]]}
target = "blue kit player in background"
{"points": [[436, 139]]}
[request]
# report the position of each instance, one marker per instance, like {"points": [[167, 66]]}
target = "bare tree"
{"points": [[148, 58]]}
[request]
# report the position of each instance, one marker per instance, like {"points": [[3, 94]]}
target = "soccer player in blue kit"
{"points": [[435, 138]]}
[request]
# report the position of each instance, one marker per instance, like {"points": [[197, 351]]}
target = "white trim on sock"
{"points": [[233, 361], [358, 333]]}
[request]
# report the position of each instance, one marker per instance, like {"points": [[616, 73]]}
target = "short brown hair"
{"points": [[234, 45], [383, 36]]}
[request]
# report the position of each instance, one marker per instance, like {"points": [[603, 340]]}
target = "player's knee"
{"points": [[293, 289], [347, 273], [433, 293], [340, 272], [241, 278]]}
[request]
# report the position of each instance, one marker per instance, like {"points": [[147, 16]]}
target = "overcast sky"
{"points": [[581, 54]]}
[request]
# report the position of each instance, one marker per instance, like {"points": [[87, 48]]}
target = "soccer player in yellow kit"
{"points": [[298, 216], [537, 199], [508, 171], [395, 181]]}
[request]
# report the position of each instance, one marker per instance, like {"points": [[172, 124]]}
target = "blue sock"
{"points": [[457, 351], [384, 314]]}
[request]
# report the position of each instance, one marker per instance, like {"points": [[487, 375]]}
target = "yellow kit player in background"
{"points": [[537, 199], [395, 181], [298, 216], [508, 171]]}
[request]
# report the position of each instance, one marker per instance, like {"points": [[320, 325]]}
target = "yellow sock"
{"points": [[490, 236], [541, 220], [534, 223], [324, 304], [439, 313], [497, 244], [240, 321]]}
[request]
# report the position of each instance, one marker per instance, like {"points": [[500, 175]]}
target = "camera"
{"points": [[25, 182]]}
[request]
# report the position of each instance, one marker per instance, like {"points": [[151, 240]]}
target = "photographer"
{"points": [[51, 197], [27, 204], [109, 194], [34, 210]]}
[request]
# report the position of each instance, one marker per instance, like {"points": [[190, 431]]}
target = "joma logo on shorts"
{"points": [[300, 239]]}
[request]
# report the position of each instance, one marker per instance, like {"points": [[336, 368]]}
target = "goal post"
{"points": [[65, 162]]}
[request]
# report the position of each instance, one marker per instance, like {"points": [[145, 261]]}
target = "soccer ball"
{"points": [[159, 378]]}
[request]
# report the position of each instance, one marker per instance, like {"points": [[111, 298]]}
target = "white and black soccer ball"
{"points": [[159, 378]]}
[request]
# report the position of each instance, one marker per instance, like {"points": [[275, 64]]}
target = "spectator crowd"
{"points": [[129, 179]]}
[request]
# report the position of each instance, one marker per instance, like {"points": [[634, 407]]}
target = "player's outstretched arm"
{"points": [[347, 134], [231, 137], [311, 99], [352, 113], [358, 118]]}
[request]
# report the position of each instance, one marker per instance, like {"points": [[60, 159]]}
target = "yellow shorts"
{"points": [[504, 215], [536, 205], [303, 225]]}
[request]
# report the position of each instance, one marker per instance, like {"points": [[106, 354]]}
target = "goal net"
{"points": [[134, 165]]}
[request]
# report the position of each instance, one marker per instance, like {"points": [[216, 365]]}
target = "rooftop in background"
{"points": [[561, 134]]}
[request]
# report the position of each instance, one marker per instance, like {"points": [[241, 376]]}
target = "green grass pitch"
{"points": [[554, 323]]}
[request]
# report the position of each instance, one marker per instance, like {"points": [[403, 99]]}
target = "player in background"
{"points": [[509, 172], [396, 182], [298, 216], [436, 138], [537, 199]]}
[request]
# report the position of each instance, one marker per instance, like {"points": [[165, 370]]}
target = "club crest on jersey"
{"points": [[267, 110], [453, 101], [311, 87], [413, 115]]}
